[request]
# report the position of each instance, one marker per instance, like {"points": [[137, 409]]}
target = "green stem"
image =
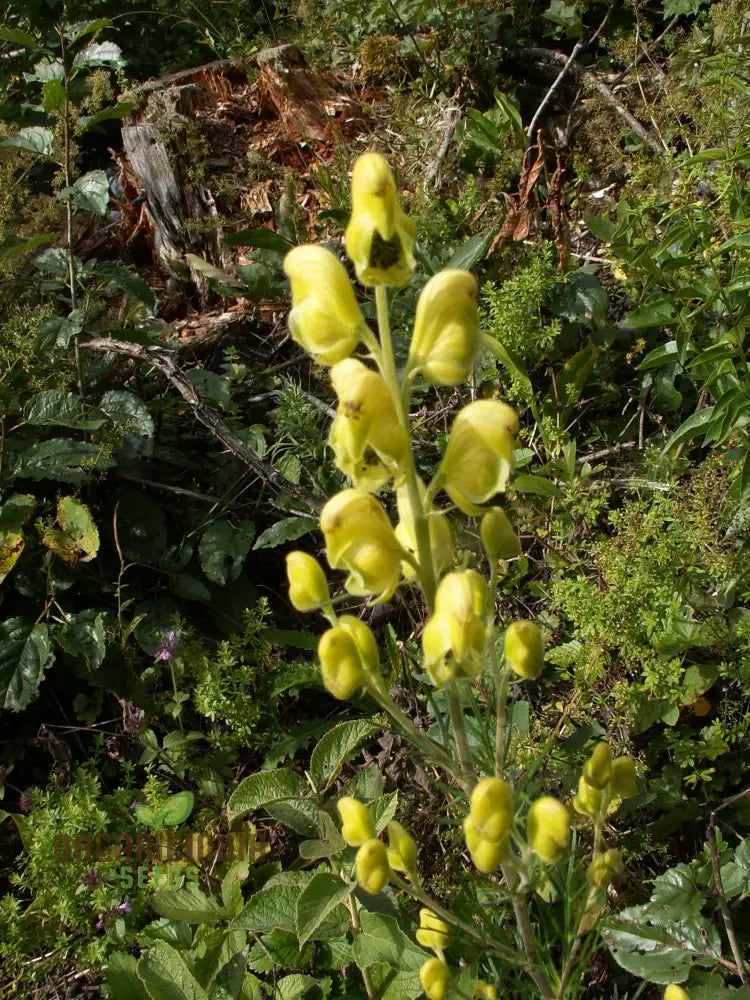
{"points": [[401, 402], [351, 903], [504, 950], [69, 219], [500, 677], [459, 730], [526, 931]]}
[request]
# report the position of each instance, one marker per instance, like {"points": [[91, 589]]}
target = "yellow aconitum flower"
{"points": [[348, 655], [548, 827], [434, 977], [498, 537], [598, 768], [360, 539], [479, 456], [441, 540], [446, 340], [308, 587], [491, 808], [369, 443], [433, 932], [371, 866], [380, 236], [485, 991], [604, 868], [675, 992], [357, 824], [325, 319], [402, 849], [524, 649], [588, 800], [486, 855], [453, 639], [623, 778]]}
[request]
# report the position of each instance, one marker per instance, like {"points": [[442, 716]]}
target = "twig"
{"points": [[531, 131], [632, 121], [647, 49], [719, 889], [449, 128], [180, 490], [207, 415]]}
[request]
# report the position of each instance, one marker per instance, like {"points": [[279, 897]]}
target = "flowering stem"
{"points": [[421, 527], [501, 677], [351, 903], [506, 951], [459, 730], [526, 931]]}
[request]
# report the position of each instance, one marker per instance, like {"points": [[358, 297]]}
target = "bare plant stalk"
{"points": [[69, 218]]}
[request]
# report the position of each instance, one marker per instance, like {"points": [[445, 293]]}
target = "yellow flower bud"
{"points": [[484, 991], [369, 443], [360, 539], [491, 808], [441, 540], [675, 992], [340, 664], [548, 827], [598, 768], [446, 338], [371, 866], [325, 319], [524, 649], [588, 800], [486, 855], [308, 587], [498, 537], [380, 237], [434, 977], [433, 932], [604, 868], [357, 824], [479, 456], [622, 783], [402, 849], [454, 638]]}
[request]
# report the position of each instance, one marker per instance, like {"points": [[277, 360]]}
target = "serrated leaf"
{"points": [[14, 513], [382, 941], [78, 537], [53, 95], [231, 887], [163, 972], [90, 193], [189, 906], [296, 986], [75, 32], [25, 654], [53, 407], [209, 384], [100, 54], [83, 635], [223, 548], [288, 529], [11, 244], [335, 748], [383, 810], [324, 893], [127, 280], [122, 978], [259, 790], [34, 139], [129, 411], [60, 459], [270, 909]]}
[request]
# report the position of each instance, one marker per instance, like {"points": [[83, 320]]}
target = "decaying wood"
{"points": [[164, 362], [172, 202]]}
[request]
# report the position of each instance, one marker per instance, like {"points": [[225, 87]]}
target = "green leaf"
{"points": [[83, 635], [18, 37], [270, 909], [335, 748], [60, 459], [13, 515], [296, 986], [122, 978], [163, 972], [75, 32], [602, 228], [324, 893], [189, 906], [744, 480], [25, 653], [658, 948], [128, 411], [231, 887], [565, 15], [392, 958], [210, 385], [691, 428], [259, 790], [100, 54], [664, 354], [90, 193], [127, 280], [471, 253], [53, 407], [10, 244], [288, 529], [537, 485], [262, 239], [121, 110], [53, 95], [34, 139], [58, 331], [177, 808], [78, 537], [220, 279], [383, 810], [657, 311], [223, 548]]}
